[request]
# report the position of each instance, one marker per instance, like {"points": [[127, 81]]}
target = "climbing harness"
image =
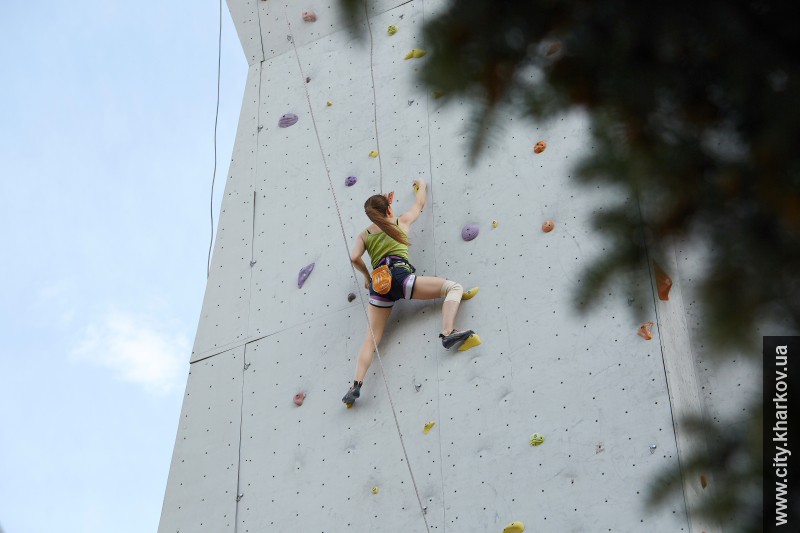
{"points": [[344, 237]]}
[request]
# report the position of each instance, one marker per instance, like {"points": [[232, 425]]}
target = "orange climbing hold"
{"points": [[539, 147], [663, 282], [644, 331], [548, 225]]}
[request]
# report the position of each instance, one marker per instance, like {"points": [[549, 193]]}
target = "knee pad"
{"points": [[451, 291]]}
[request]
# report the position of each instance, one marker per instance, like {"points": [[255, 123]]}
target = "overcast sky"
{"points": [[106, 147]]}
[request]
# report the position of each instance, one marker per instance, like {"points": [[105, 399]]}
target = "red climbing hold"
{"points": [[548, 225], [298, 398], [663, 282], [539, 147], [309, 16]]}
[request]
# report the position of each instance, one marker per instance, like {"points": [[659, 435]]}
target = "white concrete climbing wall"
{"points": [[248, 459]]}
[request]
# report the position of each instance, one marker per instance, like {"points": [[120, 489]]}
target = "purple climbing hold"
{"points": [[350, 181], [303, 276], [287, 120], [469, 232]]}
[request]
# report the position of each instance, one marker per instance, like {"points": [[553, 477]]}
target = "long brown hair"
{"points": [[376, 207]]}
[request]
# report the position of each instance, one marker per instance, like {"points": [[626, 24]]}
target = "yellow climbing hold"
{"points": [[470, 293], [415, 53], [514, 527], [329, 103], [374, 490], [437, 94], [428, 427], [495, 223], [349, 405], [536, 439], [373, 153], [472, 341], [391, 30]]}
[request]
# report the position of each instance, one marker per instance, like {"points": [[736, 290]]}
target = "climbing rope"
{"points": [[433, 234], [216, 121], [347, 247], [374, 98]]}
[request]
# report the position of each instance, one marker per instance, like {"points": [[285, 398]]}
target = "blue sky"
{"points": [[106, 130]]}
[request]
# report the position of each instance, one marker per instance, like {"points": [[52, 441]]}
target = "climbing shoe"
{"points": [[454, 337], [351, 396]]}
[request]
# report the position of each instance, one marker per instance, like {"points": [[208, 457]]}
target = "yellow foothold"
{"points": [[536, 439], [472, 341], [349, 405], [373, 153], [437, 94], [374, 490], [415, 53], [514, 527], [329, 103], [428, 427], [416, 187], [392, 30], [495, 223], [469, 294]]}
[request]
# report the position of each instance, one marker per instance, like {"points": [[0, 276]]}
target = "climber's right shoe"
{"points": [[455, 336], [351, 396]]}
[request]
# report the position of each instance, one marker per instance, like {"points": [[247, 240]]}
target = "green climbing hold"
{"points": [[536, 439]]}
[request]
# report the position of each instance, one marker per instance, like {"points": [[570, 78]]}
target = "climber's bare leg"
{"points": [[378, 317]]}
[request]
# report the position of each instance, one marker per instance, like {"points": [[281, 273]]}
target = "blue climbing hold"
{"points": [[469, 232], [303, 276], [287, 120]]}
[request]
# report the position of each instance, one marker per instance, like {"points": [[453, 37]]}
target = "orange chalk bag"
{"points": [[382, 279]]}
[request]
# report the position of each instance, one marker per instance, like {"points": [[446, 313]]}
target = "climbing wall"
{"points": [[247, 458]]}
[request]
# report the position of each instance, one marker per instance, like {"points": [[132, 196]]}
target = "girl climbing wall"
{"points": [[386, 242]]}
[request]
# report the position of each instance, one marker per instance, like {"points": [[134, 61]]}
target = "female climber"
{"points": [[393, 278]]}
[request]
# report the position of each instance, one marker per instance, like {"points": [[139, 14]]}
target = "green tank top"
{"points": [[379, 245]]}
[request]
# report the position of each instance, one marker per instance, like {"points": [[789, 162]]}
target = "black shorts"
{"points": [[403, 279]]}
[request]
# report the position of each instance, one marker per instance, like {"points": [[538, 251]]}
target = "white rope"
{"points": [[216, 121], [433, 233], [344, 237], [374, 98]]}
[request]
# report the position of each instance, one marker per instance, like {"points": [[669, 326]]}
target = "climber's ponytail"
{"points": [[375, 207]]}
